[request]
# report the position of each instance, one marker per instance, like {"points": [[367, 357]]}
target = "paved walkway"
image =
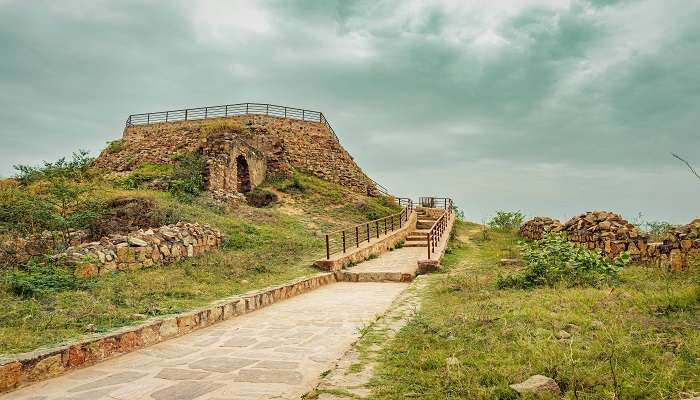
{"points": [[403, 260], [277, 352]]}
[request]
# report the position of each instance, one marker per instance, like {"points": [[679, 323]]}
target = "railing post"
{"points": [[385, 226], [148, 118], [206, 112], [357, 235], [285, 112], [368, 232], [226, 110], [343, 241], [186, 115], [246, 108], [303, 114], [377, 227], [166, 116], [428, 245], [328, 249], [267, 109]]}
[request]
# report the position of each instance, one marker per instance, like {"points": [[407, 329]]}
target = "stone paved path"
{"points": [[277, 352], [403, 260]]}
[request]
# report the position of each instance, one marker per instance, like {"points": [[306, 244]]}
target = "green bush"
{"points": [[291, 185], [148, 173], [115, 146], [36, 278], [78, 168], [555, 260], [507, 220], [183, 178], [187, 179]]}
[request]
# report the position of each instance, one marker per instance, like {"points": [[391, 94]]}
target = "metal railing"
{"points": [[230, 110], [345, 239], [440, 226]]}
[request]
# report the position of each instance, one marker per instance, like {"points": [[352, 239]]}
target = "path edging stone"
{"points": [[22, 369]]}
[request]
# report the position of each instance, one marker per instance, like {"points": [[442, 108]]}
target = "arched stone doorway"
{"points": [[243, 174]]}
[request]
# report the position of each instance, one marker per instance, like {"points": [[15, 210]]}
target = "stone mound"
{"points": [[535, 228], [685, 232], [601, 225]]}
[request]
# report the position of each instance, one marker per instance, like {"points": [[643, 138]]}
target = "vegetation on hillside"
{"points": [[636, 339], [44, 304]]}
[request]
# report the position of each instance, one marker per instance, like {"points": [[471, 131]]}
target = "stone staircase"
{"points": [[419, 237]]}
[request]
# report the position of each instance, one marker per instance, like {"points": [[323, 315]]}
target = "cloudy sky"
{"points": [[547, 106]]}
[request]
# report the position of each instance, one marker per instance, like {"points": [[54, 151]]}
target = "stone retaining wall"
{"points": [[142, 249], [19, 250], [612, 235], [283, 143], [38, 365]]}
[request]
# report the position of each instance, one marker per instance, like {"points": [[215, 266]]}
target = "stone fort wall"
{"points": [[282, 143]]}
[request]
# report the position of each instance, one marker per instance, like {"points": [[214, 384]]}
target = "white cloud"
{"points": [[226, 22]]}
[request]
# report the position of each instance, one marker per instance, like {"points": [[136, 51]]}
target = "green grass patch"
{"points": [[638, 339], [263, 247]]}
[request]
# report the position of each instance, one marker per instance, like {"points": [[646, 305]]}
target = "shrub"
{"points": [[657, 229], [56, 201], [36, 278], [293, 185], [187, 179], [260, 198], [149, 174], [79, 168], [554, 260], [115, 146], [506, 220]]}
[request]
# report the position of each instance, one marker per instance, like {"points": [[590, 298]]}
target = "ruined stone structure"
{"points": [[142, 249], [611, 234], [241, 151]]}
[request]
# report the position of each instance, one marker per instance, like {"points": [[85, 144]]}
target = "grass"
{"points": [[263, 247], [637, 340]]}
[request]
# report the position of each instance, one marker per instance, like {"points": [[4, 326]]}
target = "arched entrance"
{"points": [[243, 174]]}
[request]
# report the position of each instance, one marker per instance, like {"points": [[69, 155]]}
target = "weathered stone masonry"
{"points": [[268, 145], [611, 234]]}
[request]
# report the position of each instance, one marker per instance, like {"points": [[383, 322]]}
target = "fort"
{"points": [[241, 143]]}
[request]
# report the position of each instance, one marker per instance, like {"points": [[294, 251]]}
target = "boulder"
{"points": [[537, 384]]}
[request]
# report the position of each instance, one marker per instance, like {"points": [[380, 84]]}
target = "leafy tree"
{"points": [[507, 220]]}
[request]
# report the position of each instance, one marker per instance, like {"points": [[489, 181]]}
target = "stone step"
{"points": [[417, 237], [415, 244]]}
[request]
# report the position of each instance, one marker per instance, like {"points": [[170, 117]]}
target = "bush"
{"points": [[507, 220], [149, 174], [183, 178], [260, 198], [219, 126], [187, 179], [554, 260], [57, 200], [79, 168], [293, 185], [36, 278], [115, 146]]}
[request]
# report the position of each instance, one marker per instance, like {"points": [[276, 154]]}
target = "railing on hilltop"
{"points": [[348, 238], [230, 110], [440, 226]]}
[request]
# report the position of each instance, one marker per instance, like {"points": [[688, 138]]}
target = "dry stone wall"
{"points": [[612, 235], [535, 228], [142, 249], [19, 250], [283, 144]]}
